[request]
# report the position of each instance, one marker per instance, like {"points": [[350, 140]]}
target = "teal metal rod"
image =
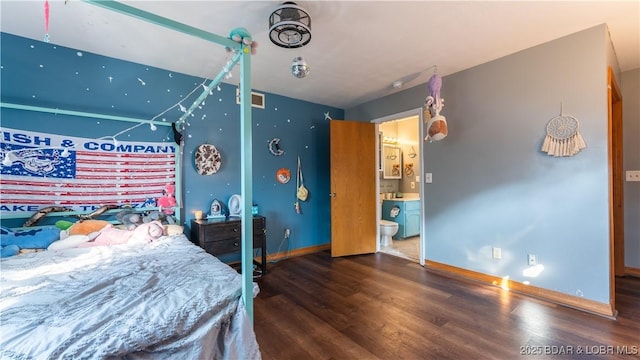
{"points": [[165, 22], [227, 68], [77, 113], [246, 185]]}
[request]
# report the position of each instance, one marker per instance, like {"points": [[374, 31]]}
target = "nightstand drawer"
{"points": [[222, 246], [222, 232]]}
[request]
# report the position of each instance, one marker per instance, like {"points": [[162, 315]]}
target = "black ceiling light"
{"points": [[290, 26]]}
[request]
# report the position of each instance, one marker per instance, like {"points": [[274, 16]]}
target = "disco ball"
{"points": [[299, 67]]}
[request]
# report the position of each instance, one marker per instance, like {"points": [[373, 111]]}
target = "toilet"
{"points": [[387, 230]]}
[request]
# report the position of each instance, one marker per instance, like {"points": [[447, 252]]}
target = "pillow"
{"points": [[173, 229]]}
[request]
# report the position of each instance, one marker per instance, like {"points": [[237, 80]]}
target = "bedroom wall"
{"points": [[40, 74], [493, 187], [630, 88]]}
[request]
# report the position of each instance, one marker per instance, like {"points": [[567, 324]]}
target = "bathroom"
{"points": [[399, 187]]}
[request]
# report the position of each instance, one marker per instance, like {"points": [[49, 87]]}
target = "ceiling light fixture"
{"points": [[290, 26]]}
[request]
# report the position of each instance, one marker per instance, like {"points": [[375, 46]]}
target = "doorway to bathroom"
{"points": [[400, 203]]}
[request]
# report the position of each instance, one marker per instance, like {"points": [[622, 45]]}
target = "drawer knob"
{"points": [[235, 244], [235, 229]]}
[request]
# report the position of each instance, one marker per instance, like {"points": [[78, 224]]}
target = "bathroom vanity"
{"points": [[407, 215]]}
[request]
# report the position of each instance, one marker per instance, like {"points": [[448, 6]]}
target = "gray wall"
{"points": [[630, 86], [493, 187]]}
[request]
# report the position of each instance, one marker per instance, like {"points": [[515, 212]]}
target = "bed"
{"points": [[167, 299]]}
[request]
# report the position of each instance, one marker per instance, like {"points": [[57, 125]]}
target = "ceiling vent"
{"points": [[290, 26]]}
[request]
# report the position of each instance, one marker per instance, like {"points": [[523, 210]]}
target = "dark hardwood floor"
{"points": [[383, 307]]}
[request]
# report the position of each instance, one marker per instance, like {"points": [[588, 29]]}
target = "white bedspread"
{"points": [[164, 300]]}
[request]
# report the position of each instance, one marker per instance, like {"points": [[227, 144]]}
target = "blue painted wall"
{"points": [[40, 74], [492, 187]]}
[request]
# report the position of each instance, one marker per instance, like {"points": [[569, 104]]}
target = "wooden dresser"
{"points": [[223, 236]]}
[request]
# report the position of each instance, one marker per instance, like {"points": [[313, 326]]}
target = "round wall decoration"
{"points": [[207, 159], [283, 175]]}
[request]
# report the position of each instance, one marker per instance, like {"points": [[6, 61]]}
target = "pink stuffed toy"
{"points": [[168, 201], [144, 233], [147, 232]]}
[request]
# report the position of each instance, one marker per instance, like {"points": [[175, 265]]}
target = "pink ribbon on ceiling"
{"points": [[46, 20]]}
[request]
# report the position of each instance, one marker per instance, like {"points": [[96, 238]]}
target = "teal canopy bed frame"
{"points": [[134, 300], [243, 57]]}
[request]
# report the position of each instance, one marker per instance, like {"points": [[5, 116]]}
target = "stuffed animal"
{"points": [[71, 241], [142, 234], [129, 218], [436, 123], [9, 250], [12, 242], [64, 224], [147, 233], [86, 227], [242, 35], [437, 128], [150, 216], [167, 201]]}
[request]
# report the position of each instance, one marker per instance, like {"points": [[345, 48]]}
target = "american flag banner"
{"points": [[41, 170]]}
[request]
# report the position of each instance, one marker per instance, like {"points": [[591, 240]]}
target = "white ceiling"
{"points": [[357, 50]]}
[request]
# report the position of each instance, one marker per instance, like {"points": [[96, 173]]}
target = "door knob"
{"points": [[332, 195]]}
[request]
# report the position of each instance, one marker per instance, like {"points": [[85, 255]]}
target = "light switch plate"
{"points": [[428, 178]]}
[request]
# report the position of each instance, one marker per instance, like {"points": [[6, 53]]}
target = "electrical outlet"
{"points": [[633, 175], [497, 253], [531, 260], [287, 232]]}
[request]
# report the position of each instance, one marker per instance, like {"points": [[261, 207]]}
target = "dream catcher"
{"points": [[563, 136]]}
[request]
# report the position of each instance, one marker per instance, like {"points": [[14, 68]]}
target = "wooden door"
{"points": [[353, 188]]}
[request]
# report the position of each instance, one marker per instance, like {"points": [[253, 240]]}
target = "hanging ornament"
{"points": [[436, 124], [46, 20]]}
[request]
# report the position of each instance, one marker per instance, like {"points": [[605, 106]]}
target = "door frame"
{"points": [[405, 114], [616, 184]]}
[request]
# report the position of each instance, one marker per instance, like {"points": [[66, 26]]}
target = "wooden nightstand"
{"points": [[223, 236]]}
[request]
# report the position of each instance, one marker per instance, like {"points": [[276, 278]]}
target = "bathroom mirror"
{"points": [[391, 162]]}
